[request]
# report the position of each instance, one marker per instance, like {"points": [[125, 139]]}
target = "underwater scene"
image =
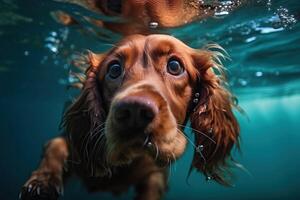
{"points": [[39, 41]]}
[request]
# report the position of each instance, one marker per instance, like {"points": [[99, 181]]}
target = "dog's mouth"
{"points": [[163, 147]]}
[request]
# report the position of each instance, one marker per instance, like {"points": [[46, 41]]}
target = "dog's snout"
{"points": [[134, 113]]}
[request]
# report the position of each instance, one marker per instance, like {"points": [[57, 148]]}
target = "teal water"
{"points": [[264, 73]]}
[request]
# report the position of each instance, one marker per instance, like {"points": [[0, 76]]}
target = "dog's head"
{"points": [[137, 98]]}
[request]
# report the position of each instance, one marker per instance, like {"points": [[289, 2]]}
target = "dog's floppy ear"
{"points": [[213, 122], [86, 114]]}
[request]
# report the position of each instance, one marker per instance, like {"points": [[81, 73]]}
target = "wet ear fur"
{"points": [[215, 126], [86, 113]]}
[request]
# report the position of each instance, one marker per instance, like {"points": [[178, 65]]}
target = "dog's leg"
{"points": [[47, 181], [152, 187]]}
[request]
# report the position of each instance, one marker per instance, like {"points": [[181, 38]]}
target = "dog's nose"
{"points": [[134, 113]]}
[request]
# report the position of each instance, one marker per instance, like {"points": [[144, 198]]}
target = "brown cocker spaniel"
{"points": [[144, 16], [126, 127]]}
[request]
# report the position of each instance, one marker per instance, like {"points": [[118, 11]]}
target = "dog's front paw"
{"points": [[41, 186]]}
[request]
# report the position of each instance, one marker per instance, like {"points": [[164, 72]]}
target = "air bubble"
{"points": [[243, 82], [286, 20], [53, 33], [153, 25], [269, 4], [250, 39], [149, 144], [258, 74], [199, 148], [195, 101], [221, 14]]}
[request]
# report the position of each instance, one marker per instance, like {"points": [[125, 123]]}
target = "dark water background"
{"points": [[264, 73]]}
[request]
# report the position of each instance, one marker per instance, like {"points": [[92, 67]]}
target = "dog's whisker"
{"points": [[197, 131], [99, 149], [95, 152], [83, 144], [174, 158], [85, 147], [146, 140], [101, 152], [88, 139], [188, 139], [170, 169], [157, 151], [97, 141], [110, 44], [96, 129], [198, 149]]}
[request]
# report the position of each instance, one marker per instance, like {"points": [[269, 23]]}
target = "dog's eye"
{"points": [[174, 67], [115, 70]]}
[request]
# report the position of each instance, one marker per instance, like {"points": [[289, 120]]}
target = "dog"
{"points": [[145, 16], [127, 125]]}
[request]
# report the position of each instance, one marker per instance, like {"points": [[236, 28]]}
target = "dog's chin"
{"points": [[121, 158], [121, 154], [163, 149], [170, 148]]}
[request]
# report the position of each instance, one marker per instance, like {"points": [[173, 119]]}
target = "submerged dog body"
{"points": [[126, 127]]}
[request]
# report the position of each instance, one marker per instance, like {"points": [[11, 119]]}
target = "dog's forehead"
{"points": [[160, 38], [155, 42]]}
